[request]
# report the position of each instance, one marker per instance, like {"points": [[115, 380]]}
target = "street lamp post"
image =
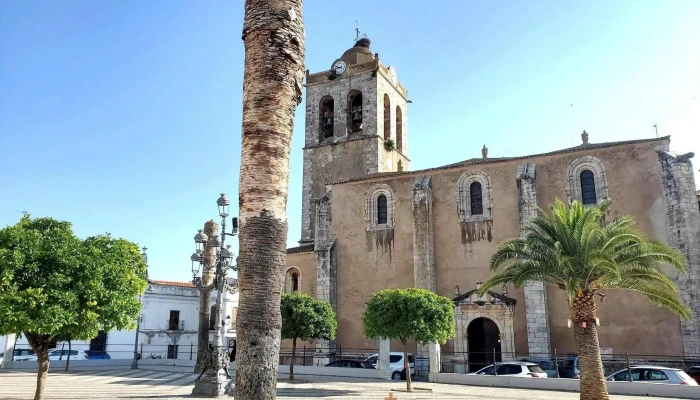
{"points": [[213, 381], [135, 362], [139, 321]]}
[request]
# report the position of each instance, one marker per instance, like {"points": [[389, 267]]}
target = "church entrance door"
{"points": [[483, 338]]}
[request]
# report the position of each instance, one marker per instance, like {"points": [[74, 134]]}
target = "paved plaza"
{"points": [[159, 384]]}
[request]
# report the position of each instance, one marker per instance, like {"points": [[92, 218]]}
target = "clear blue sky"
{"points": [[124, 116]]}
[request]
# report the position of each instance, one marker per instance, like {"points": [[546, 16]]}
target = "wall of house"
{"points": [[371, 261]]}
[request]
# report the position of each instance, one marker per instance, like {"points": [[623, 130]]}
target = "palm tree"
{"points": [[273, 35], [577, 251]]}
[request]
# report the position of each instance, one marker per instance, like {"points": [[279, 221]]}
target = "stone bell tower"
{"points": [[356, 125]]}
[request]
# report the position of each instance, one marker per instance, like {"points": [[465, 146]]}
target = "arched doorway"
{"points": [[483, 337]]}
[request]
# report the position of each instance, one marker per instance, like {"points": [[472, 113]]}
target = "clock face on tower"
{"points": [[339, 67]]}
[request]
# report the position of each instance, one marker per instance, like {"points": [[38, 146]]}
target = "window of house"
{"points": [[326, 117], [381, 209], [172, 351], [174, 321], [588, 187], [475, 195], [212, 318], [399, 129]]}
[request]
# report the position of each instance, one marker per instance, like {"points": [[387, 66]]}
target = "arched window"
{"points": [[387, 117], [326, 117], [292, 280], [399, 130], [295, 282], [588, 187], [381, 209], [475, 198], [355, 111], [587, 181]]}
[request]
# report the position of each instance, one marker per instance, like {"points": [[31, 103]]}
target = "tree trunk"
{"points": [[294, 354], [273, 35], [68, 359], [40, 345], [406, 366], [583, 312], [211, 228]]}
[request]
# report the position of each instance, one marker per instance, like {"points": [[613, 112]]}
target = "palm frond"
{"points": [[657, 295]]}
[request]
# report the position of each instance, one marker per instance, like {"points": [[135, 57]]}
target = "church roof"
{"points": [[301, 249], [477, 161], [172, 283]]}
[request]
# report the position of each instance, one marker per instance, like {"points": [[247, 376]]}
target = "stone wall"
{"points": [[369, 261]]}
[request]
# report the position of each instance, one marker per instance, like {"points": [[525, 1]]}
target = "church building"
{"points": [[370, 223]]}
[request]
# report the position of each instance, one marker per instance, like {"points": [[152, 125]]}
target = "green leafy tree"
{"points": [[306, 318], [575, 250], [54, 285], [409, 314]]}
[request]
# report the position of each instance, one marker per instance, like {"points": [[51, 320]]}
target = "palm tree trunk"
{"points": [[273, 35], [583, 312], [211, 228], [294, 353]]}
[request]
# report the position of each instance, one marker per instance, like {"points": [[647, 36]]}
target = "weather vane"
{"points": [[357, 32]]}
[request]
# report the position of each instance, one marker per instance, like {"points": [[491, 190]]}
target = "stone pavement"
{"points": [[159, 384]]}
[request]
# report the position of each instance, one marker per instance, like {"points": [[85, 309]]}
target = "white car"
{"points": [[62, 355], [653, 374], [398, 372], [20, 355], [521, 369]]}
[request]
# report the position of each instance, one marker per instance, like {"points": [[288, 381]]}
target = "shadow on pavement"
{"points": [[315, 393]]}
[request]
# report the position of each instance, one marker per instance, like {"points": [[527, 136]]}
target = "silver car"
{"points": [[653, 374]]}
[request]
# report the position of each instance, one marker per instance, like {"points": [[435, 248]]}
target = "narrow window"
{"points": [[326, 117], [588, 187], [174, 321], [381, 210], [477, 206], [212, 318], [387, 118], [399, 130], [295, 282]]}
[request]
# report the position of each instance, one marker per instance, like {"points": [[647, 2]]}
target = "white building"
{"points": [[169, 325]]}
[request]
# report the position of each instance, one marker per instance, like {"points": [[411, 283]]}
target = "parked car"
{"points": [[547, 366], [20, 354], [522, 369], [694, 373], [351, 364], [97, 355], [398, 372], [62, 355], [569, 368], [653, 374]]}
